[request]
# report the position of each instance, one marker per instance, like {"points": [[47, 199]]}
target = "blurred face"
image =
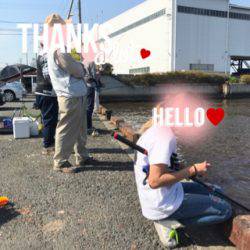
{"points": [[185, 114]]}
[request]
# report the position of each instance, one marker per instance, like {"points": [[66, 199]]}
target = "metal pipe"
{"points": [[227, 54]]}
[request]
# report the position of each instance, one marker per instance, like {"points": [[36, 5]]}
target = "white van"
{"points": [[13, 91]]}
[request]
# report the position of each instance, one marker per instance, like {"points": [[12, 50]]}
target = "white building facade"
{"points": [[180, 34]]}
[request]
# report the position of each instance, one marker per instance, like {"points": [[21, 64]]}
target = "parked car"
{"points": [[13, 91], [2, 98]]}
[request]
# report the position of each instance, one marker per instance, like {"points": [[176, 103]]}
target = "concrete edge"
{"points": [[112, 127], [121, 125]]}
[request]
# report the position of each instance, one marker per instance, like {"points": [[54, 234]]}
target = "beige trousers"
{"points": [[71, 131]]}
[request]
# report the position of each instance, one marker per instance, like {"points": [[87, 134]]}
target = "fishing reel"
{"points": [[175, 165]]}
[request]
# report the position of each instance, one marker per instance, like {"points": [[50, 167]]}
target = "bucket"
{"points": [[21, 127], [34, 128]]}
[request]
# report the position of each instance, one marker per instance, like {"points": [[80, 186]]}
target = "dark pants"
{"points": [[90, 106], [49, 110]]}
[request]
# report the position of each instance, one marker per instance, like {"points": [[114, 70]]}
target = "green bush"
{"points": [[233, 79], [245, 79], [195, 77]]}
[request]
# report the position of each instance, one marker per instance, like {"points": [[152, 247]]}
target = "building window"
{"points": [[241, 16], [201, 12], [202, 67], [215, 13], [144, 70]]}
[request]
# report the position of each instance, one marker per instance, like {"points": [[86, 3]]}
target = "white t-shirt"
{"points": [[157, 204]]}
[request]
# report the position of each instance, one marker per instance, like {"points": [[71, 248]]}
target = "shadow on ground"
{"points": [[27, 100], [7, 214], [204, 237], [109, 151], [104, 132], [108, 166]]}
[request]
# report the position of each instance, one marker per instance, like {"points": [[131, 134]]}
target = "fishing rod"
{"points": [[194, 179]]}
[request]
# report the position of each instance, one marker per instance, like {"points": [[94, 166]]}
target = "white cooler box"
{"points": [[21, 127]]}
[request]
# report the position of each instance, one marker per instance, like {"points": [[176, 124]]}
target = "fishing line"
{"points": [[209, 188]]}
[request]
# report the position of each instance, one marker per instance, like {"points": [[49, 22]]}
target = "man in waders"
{"points": [[46, 101]]}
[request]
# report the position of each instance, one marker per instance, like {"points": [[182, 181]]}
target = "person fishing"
{"points": [[162, 195]]}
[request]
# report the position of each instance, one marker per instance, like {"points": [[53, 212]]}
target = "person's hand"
{"points": [[200, 168]]}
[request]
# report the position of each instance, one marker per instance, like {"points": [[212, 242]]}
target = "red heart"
{"points": [[215, 116], [145, 53]]}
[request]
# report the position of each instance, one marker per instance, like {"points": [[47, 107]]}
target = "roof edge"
{"points": [[236, 6]]}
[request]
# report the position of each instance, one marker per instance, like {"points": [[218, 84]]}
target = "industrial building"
{"points": [[207, 35]]}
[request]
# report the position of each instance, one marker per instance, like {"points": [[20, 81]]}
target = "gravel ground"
{"points": [[96, 208]]}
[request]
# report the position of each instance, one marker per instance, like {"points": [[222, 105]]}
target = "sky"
{"points": [[35, 11]]}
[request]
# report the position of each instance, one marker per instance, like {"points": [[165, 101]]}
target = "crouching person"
{"points": [[163, 197]]}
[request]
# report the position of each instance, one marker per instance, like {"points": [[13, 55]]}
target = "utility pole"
{"points": [[80, 18], [70, 9], [80, 11]]}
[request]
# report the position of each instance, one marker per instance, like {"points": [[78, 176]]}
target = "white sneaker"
{"points": [[167, 233], [95, 133]]}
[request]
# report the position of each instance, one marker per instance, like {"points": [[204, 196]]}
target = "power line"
{"points": [[17, 29], [16, 34], [4, 21], [11, 22]]}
